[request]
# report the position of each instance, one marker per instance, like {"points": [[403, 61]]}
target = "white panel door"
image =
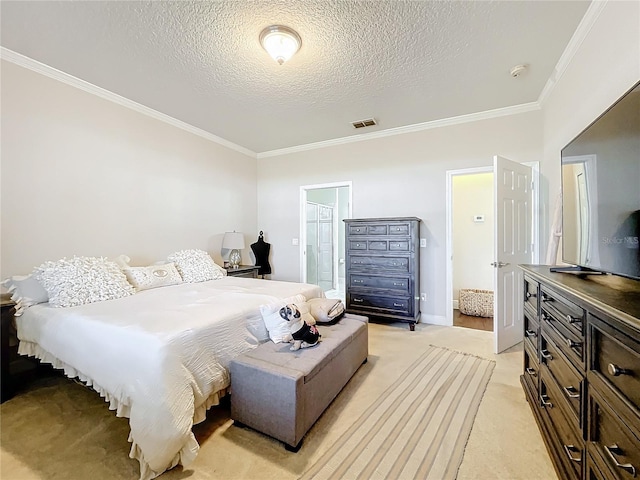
{"points": [[513, 246]]}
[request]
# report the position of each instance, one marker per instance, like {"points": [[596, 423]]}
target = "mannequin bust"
{"points": [[261, 251]]}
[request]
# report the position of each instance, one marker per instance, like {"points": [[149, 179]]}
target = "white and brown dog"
{"points": [[302, 334]]}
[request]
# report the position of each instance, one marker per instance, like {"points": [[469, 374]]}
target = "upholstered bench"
{"points": [[282, 393]]}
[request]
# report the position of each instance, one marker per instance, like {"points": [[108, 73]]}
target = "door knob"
{"points": [[499, 264]]}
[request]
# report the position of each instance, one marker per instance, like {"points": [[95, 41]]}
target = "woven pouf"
{"points": [[478, 303]]}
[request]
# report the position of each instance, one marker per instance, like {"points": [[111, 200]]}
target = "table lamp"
{"points": [[234, 241]]}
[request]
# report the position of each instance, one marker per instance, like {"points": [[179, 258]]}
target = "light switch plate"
{"points": [[423, 243], [294, 241]]}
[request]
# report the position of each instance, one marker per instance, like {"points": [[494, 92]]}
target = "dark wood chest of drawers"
{"points": [[582, 371], [382, 268]]}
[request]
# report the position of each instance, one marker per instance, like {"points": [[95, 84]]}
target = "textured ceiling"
{"points": [[402, 62]]}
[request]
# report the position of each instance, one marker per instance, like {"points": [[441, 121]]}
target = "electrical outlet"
{"points": [[294, 241], [423, 243], [423, 297]]}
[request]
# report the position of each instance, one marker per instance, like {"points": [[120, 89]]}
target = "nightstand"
{"points": [[246, 271], [15, 369]]}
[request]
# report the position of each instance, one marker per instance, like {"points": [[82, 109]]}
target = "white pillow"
{"points": [[122, 261], [25, 291], [277, 326], [82, 280], [144, 278], [196, 266]]}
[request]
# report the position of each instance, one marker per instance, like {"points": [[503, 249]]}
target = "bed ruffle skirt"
{"points": [[121, 405]]}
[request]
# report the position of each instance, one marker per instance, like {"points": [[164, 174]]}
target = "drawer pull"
{"points": [[572, 392], [572, 344], [615, 370], [570, 448], [546, 298], [573, 320], [397, 284], [358, 281], [529, 294], [544, 401], [531, 371], [397, 304], [545, 317], [546, 354], [530, 333], [614, 450], [358, 300]]}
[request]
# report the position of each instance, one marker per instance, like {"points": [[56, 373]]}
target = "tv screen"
{"points": [[601, 192]]}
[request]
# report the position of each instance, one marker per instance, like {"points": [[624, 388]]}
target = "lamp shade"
{"points": [[233, 240]]}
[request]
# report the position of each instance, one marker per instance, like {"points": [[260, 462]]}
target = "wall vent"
{"points": [[369, 122]]}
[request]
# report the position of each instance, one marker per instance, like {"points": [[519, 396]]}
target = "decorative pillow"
{"points": [[144, 278], [277, 326], [25, 291], [122, 261], [196, 266], [82, 280], [326, 310]]}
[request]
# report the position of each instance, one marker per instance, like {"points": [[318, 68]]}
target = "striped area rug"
{"points": [[418, 428]]}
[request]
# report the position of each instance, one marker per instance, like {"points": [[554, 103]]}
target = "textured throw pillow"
{"points": [[82, 280], [144, 278], [326, 310], [277, 326], [25, 291], [196, 266]]}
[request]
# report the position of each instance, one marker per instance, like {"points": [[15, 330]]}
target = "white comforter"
{"points": [[159, 357]]}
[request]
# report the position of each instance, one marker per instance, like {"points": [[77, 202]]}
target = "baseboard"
{"points": [[456, 304], [434, 319]]}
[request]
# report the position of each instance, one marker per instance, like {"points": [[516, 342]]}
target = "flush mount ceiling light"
{"points": [[280, 42]]}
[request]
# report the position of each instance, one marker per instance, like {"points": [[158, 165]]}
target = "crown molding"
{"points": [[51, 72], [584, 27], [63, 77], [445, 122]]}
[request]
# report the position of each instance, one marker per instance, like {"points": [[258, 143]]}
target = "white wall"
{"points": [[604, 67], [472, 241], [403, 175], [85, 176]]}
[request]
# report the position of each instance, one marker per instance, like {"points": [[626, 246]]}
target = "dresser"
{"points": [[581, 373], [383, 268]]}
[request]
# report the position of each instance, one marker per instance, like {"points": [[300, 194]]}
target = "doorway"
{"points": [[322, 234], [515, 212], [472, 242]]}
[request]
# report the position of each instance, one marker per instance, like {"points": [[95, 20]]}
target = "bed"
{"points": [[159, 357]]}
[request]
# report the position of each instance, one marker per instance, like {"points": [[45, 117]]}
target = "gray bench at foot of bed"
{"points": [[282, 393]]}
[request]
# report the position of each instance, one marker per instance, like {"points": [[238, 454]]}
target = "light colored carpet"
{"points": [[60, 430], [419, 426]]}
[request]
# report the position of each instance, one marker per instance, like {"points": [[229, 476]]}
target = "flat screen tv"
{"points": [[601, 192]]}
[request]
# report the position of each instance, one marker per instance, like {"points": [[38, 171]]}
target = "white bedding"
{"points": [[159, 357]]}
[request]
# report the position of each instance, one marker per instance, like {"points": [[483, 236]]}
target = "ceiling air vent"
{"points": [[369, 122]]}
